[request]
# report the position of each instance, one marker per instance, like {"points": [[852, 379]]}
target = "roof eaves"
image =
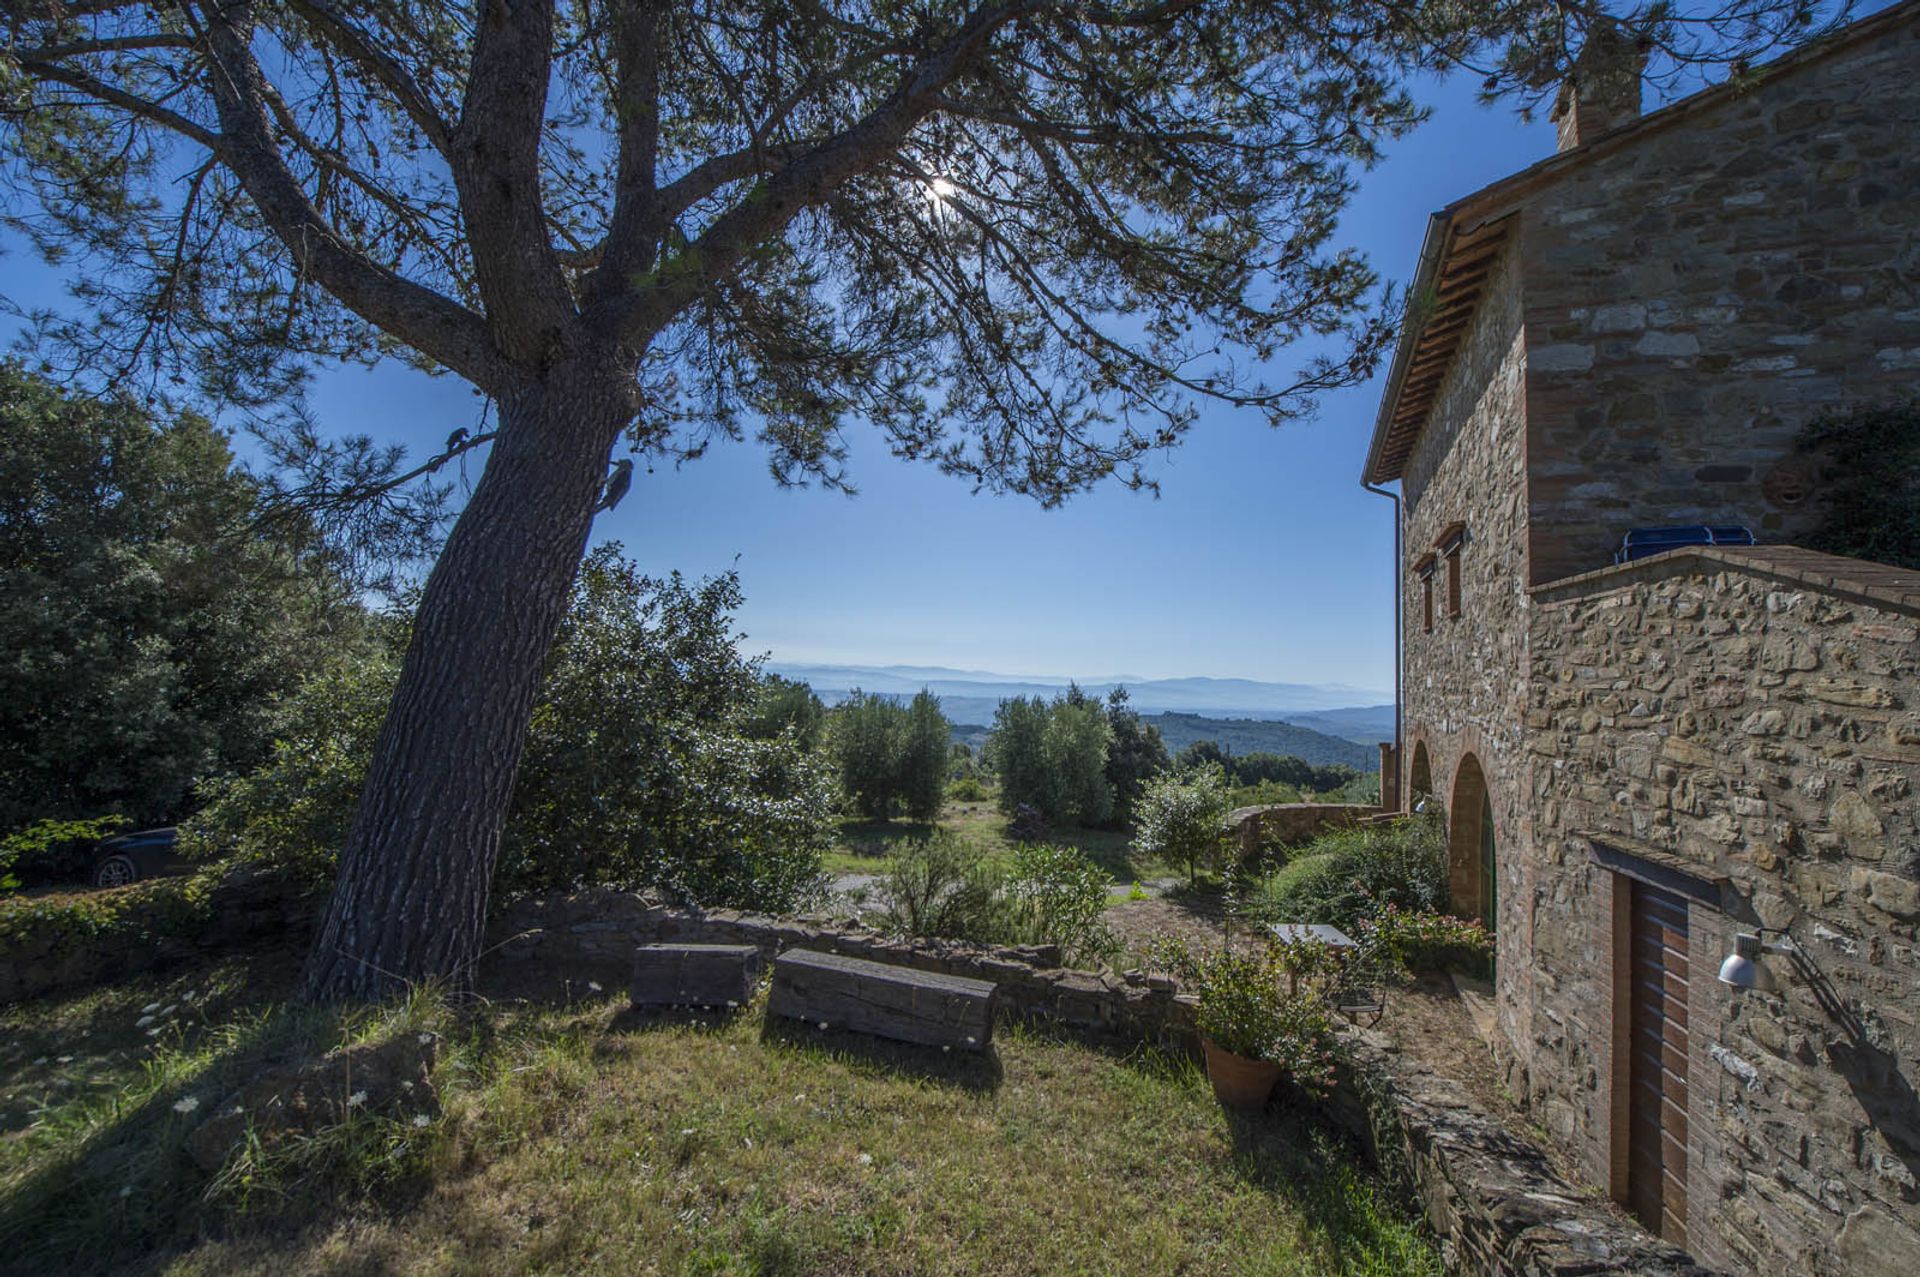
{"points": [[1416, 318]]}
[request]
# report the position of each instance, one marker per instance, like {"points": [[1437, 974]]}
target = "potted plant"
{"points": [[1259, 1019]]}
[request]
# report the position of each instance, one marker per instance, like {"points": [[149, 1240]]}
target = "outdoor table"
{"points": [[1339, 942], [1325, 933]]}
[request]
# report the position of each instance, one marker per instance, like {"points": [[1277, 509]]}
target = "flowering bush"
{"points": [[1181, 817], [1423, 940]]}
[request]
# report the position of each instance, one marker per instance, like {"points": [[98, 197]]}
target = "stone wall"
{"points": [[1493, 1199], [1752, 720], [1464, 682], [1290, 824], [52, 944], [558, 946], [1695, 295]]}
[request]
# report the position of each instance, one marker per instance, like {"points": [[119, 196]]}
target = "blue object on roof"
{"points": [[1641, 542]]}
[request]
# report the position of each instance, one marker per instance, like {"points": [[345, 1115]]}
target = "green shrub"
{"points": [[52, 848], [967, 789], [639, 767], [1060, 897], [941, 886], [1422, 940], [144, 912], [1348, 875], [1263, 794], [1363, 788], [944, 887], [1181, 816], [294, 812]]}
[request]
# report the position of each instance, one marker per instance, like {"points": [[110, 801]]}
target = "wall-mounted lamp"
{"points": [[1742, 968]]}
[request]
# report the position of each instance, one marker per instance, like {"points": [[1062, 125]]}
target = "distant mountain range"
{"points": [[1240, 697], [1318, 722]]}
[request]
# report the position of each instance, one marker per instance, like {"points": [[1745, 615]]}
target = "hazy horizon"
{"points": [[975, 695]]}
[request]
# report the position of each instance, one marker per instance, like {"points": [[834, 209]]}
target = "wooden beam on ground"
{"points": [[924, 1007], [694, 975]]}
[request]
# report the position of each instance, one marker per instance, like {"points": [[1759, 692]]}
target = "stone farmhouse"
{"points": [[1642, 763]]}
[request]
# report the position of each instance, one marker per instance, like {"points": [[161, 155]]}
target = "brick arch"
{"points": [[1469, 820], [1420, 773]]}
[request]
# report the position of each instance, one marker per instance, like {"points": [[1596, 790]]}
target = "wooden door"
{"points": [[1657, 1095]]}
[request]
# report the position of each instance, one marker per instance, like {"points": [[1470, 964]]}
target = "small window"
{"points": [[1449, 545], [1425, 568]]}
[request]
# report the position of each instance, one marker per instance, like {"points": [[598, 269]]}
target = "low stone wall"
{"points": [[567, 945], [49, 944], [1493, 1199], [1290, 824]]}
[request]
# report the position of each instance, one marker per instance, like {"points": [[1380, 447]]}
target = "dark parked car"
{"points": [[129, 858]]}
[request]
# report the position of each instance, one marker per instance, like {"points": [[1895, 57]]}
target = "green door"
{"points": [[1489, 882]]}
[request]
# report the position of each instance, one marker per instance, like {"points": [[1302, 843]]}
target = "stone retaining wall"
{"points": [[559, 945], [1290, 824], [52, 944], [1492, 1198]]}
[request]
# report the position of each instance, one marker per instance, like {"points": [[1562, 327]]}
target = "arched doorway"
{"points": [[1419, 776], [1471, 851]]}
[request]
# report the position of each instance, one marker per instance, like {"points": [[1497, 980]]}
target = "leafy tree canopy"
{"points": [[147, 630], [1136, 754], [1868, 462], [892, 758], [1019, 238], [787, 705], [641, 767], [1053, 755], [1182, 817]]}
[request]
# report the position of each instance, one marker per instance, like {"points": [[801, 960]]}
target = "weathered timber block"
{"points": [[694, 975], [924, 1007]]}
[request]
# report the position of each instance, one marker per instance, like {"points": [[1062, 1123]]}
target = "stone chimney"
{"points": [[1602, 91]]}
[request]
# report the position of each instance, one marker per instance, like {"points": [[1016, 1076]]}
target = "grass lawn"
{"points": [[586, 1140], [867, 846]]}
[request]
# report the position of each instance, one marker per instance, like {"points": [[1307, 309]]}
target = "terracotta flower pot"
{"points": [[1239, 1082]]}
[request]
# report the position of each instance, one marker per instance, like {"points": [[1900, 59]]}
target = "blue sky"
{"points": [[1263, 558]]}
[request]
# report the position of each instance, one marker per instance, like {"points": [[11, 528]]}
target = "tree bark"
{"points": [[410, 901]]}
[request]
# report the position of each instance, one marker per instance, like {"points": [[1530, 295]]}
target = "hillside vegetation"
{"points": [[1235, 736]]}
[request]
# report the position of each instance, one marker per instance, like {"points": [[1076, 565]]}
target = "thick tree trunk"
{"points": [[410, 901]]}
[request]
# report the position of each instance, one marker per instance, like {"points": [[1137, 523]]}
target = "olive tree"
{"points": [[1182, 816], [1022, 239]]}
